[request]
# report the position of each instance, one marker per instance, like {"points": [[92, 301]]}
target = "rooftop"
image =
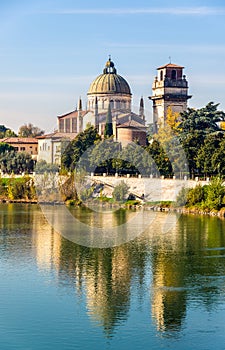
{"points": [[170, 65], [19, 140]]}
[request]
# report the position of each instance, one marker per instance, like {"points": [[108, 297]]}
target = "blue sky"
{"points": [[50, 51]]}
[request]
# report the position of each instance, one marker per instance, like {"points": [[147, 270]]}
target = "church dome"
{"points": [[109, 82]]}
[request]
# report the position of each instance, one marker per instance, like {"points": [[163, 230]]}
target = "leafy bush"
{"points": [[208, 197], [215, 194], [42, 167], [182, 197], [120, 192], [17, 188], [196, 195]]}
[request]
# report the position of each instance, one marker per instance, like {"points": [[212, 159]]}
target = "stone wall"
{"points": [[154, 189]]}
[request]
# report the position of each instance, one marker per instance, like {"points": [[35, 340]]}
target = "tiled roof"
{"points": [[74, 113], [170, 65], [58, 135], [131, 124], [18, 140]]}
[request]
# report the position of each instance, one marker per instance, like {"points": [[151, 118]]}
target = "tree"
{"points": [[29, 130], [222, 125], [42, 167], [103, 156], [170, 146], [135, 159], [78, 146], [5, 147], [108, 132], [6, 132], [218, 158], [215, 194], [210, 158], [17, 163], [196, 195], [120, 192], [160, 158], [196, 125], [150, 131], [205, 120], [173, 120]]}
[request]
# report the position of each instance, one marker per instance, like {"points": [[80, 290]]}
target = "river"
{"points": [[160, 290]]}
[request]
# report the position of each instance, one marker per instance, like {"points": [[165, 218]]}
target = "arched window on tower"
{"points": [[174, 74], [111, 104]]}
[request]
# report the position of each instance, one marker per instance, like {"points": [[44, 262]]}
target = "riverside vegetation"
{"points": [[207, 199], [198, 149]]}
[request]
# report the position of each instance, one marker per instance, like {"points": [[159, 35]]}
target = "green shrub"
{"points": [[215, 194], [181, 199], [196, 195], [120, 192]]}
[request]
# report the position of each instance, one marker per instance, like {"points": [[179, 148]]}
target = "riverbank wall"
{"points": [[151, 189]]}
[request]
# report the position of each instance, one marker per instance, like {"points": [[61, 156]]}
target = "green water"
{"points": [[158, 291]]}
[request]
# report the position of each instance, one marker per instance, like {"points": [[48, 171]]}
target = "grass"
{"points": [[162, 204]]}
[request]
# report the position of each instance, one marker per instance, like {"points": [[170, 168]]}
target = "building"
{"points": [[51, 146], [109, 88], [23, 144], [169, 89]]}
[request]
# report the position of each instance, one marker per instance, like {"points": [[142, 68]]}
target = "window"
{"points": [[161, 75], [174, 74], [68, 125], [61, 125], [22, 148], [74, 124]]}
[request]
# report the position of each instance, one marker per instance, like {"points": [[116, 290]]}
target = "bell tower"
{"points": [[169, 89]]}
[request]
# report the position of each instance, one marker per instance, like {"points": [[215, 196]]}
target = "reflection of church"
{"points": [[108, 90]]}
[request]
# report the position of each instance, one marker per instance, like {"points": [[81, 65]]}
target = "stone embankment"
{"points": [[153, 189]]}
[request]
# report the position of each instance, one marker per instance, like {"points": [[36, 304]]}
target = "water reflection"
{"points": [[174, 270]]}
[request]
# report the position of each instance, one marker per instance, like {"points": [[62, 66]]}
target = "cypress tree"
{"points": [[108, 126]]}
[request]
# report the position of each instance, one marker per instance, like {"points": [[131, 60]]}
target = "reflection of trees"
{"points": [[16, 223], [185, 265], [106, 275], [169, 298], [184, 268]]}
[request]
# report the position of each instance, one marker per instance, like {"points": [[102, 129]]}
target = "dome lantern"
{"points": [[109, 67]]}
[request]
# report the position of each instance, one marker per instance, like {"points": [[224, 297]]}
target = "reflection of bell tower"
{"points": [[169, 89]]}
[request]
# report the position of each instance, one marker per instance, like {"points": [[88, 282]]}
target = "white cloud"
{"points": [[190, 11]]}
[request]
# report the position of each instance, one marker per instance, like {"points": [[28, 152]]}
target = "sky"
{"points": [[51, 50]]}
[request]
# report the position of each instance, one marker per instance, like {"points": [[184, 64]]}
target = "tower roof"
{"points": [[109, 82], [170, 65]]}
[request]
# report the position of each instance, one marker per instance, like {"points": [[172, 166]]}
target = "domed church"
{"points": [[109, 87], [109, 91]]}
